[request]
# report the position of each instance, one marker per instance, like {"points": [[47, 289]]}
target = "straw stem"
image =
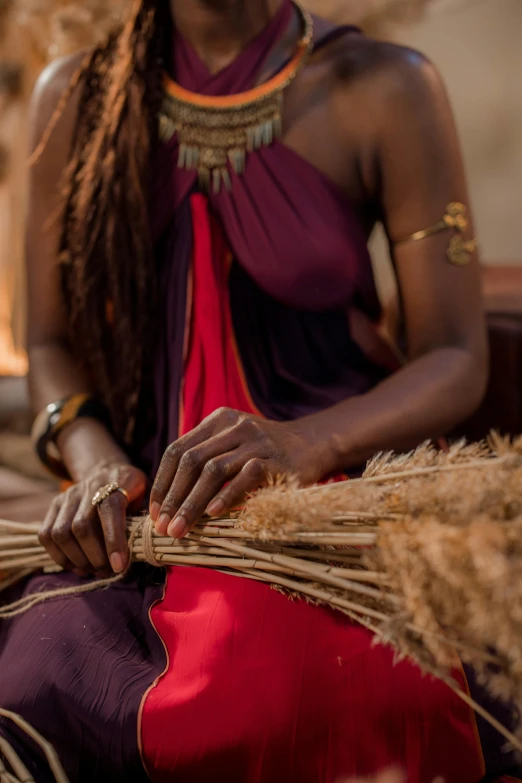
{"points": [[50, 753], [481, 464]]}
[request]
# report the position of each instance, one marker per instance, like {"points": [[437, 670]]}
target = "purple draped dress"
{"points": [[78, 669]]}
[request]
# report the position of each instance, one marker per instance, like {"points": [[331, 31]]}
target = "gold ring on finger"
{"points": [[124, 493], [106, 491]]}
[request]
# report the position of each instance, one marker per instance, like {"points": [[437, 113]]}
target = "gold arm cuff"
{"points": [[460, 250], [427, 232], [455, 218]]}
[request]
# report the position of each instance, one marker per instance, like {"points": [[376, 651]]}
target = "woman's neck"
{"points": [[220, 29]]}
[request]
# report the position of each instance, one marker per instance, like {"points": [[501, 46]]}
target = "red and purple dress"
{"points": [[195, 675]]}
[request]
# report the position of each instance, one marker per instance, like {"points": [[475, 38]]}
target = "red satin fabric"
{"points": [[212, 377], [262, 689]]}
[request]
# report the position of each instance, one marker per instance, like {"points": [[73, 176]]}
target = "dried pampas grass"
{"points": [[445, 529], [425, 550]]}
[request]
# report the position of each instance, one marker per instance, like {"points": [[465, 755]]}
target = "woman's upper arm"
{"points": [[420, 173], [46, 322]]}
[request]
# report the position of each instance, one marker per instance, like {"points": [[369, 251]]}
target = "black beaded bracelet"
{"points": [[54, 418]]}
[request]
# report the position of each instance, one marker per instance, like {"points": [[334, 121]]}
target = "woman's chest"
{"points": [[326, 123]]}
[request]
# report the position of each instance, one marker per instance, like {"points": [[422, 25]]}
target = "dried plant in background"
{"points": [[55, 28], [425, 551], [374, 16], [58, 27], [11, 173], [35, 32], [32, 33]]}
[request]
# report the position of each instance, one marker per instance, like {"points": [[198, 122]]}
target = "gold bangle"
{"points": [[456, 218], [47, 426], [54, 418]]}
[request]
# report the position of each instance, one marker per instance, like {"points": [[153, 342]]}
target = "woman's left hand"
{"points": [[229, 454]]}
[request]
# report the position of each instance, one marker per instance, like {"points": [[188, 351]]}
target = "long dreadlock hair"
{"points": [[106, 252]]}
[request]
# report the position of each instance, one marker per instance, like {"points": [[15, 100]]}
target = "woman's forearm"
{"points": [[53, 374], [85, 443], [425, 399]]}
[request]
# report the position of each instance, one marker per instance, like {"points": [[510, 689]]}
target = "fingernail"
{"points": [[216, 508], [178, 528], [154, 510], [116, 563], [163, 523]]}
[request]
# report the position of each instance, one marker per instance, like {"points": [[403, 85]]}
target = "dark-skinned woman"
{"points": [[203, 317]]}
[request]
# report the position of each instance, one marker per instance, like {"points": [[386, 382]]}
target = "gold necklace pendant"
{"points": [[217, 131]]}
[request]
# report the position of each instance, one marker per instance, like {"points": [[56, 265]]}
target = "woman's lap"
{"points": [[259, 688], [76, 669]]}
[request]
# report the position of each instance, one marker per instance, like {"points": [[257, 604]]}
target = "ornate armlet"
{"points": [[53, 419], [456, 217]]}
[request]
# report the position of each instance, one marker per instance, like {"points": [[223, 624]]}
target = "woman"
{"points": [[207, 332]]}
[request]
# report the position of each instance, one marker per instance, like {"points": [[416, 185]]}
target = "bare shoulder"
{"points": [[391, 76], [52, 85]]}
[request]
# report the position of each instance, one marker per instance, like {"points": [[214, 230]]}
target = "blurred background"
{"points": [[476, 46]]}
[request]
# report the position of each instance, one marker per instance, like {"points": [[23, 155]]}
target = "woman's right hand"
{"points": [[91, 539]]}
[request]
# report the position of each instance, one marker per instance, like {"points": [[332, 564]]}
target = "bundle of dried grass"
{"points": [[425, 551], [445, 531]]}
